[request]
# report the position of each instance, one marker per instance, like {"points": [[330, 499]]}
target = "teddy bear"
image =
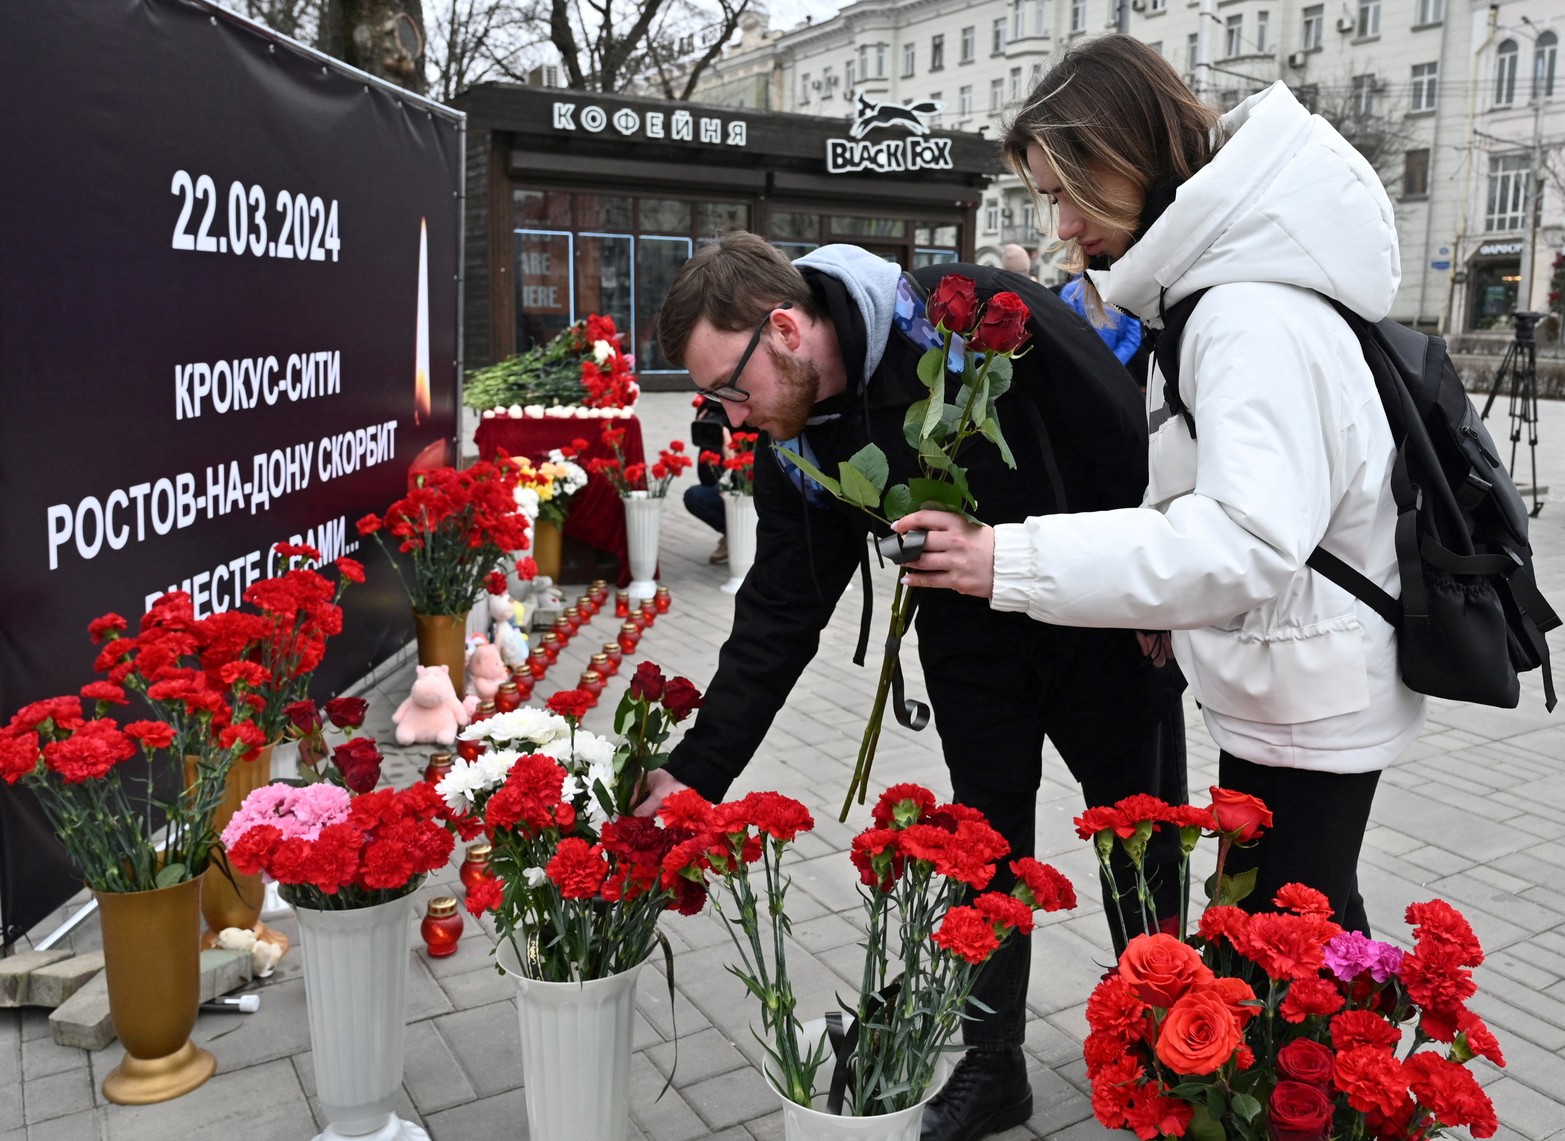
{"points": [[486, 670], [505, 614], [431, 713]]}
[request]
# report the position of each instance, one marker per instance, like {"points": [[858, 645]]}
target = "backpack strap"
{"points": [[1166, 351], [1335, 570]]}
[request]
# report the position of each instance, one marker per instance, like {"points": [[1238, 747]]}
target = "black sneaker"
{"points": [[988, 1093]]}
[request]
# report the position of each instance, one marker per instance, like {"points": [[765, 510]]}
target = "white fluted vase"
{"points": [[576, 1040], [739, 529], [642, 516], [813, 1123], [355, 983]]}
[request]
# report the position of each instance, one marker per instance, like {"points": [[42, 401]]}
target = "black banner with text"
{"points": [[228, 318]]}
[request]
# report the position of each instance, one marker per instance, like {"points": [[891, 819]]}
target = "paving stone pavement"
{"points": [[1476, 814]]}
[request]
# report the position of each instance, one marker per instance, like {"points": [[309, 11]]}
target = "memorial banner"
{"points": [[228, 318]]}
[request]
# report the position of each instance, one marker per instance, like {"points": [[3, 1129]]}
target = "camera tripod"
{"points": [[1519, 371]]}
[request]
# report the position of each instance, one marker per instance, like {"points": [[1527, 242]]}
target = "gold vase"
{"points": [[229, 899], [442, 641], [153, 967], [547, 544]]}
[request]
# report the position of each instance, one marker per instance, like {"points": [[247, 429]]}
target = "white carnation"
{"points": [[520, 728], [602, 351], [459, 785]]}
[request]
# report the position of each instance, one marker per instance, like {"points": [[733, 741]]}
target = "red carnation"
{"points": [[100, 628], [903, 804], [1005, 911], [571, 704], [1354, 1028], [88, 753], [105, 692], [1042, 886], [578, 868], [1311, 997], [1372, 1079], [966, 933], [486, 895], [19, 754], [780, 817], [494, 583], [151, 734]]}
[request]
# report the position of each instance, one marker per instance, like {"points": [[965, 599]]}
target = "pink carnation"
{"points": [[298, 813], [1351, 954]]}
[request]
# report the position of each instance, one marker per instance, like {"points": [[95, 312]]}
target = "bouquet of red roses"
{"points": [[331, 850], [202, 690], [639, 479], [1280, 1024], [457, 526], [916, 863], [578, 884]]}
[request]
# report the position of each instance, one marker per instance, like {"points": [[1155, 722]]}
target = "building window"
{"points": [[1308, 95], [969, 43], [1233, 36], [1190, 52], [909, 59], [1507, 203], [1425, 86], [1018, 20], [1078, 16], [937, 52], [804, 88], [1505, 74], [863, 71], [964, 101], [997, 37], [1158, 5], [1415, 174], [1314, 25], [1036, 77], [991, 215], [1038, 24], [880, 61], [1431, 11], [1369, 18], [1544, 51], [850, 74], [1262, 23], [996, 94], [828, 82], [1016, 83], [1363, 96], [936, 98]]}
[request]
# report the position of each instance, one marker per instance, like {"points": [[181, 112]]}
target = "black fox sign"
{"points": [[869, 114]]}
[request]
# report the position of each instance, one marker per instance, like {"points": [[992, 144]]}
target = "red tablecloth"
{"points": [[596, 516]]}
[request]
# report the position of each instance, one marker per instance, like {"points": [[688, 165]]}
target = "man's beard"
{"points": [[798, 384]]}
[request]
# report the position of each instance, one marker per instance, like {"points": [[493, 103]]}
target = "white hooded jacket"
{"points": [[1291, 451]]}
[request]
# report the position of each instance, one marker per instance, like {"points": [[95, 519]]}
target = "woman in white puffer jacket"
{"points": [[1273, 212]]}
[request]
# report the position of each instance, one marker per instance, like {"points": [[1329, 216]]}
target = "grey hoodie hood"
{"points": [[1286, 199], [872, 283]]}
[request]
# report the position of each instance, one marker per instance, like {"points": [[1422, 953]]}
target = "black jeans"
{"points": [[997, 692], [1318, 822]]}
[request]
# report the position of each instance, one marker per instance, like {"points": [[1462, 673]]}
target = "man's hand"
{"points": [[660, 783], [958, 555]]}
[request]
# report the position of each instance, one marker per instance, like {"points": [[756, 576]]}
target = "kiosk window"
{"points": [[657, 260], [866, 227], [536, 209], [603, 212], [792, 224], [714, 217], [665, 216]]}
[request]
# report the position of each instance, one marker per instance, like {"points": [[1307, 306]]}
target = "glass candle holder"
{"points": [[562, 631], [507, 697], [469, 750], [537, 662], [662, 600], [612, 651], [649, 611], [485, 710], [439, 765], [629, 635], [621, 603], [586, 607], [475, 866], [551, 647], [573, 618], [592, 682], [442, 927]]}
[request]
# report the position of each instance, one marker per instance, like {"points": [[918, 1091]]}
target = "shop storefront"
{"points": [[1494, 274], [581, 203]]}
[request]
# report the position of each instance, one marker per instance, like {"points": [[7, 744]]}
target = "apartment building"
{"points": [[1437, 93]]}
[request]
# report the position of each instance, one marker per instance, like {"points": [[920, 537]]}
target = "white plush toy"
{"points": [[431, 713], [507, 618], [263, 955]]}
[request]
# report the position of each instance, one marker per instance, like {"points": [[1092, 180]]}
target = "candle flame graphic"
{"points": [[421, 404]]}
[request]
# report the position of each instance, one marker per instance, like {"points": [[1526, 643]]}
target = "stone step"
{"points": [[83, 1020], [50, 986], [16, 971]]}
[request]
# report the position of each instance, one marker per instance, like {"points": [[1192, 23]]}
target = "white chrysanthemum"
{"points": [[458, 786], [520, 728], [526, 501], [597, 816], [495, 764], [602, 351], [593, 750]]}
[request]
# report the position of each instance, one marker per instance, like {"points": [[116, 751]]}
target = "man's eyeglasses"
{"points": [[730, 390]]}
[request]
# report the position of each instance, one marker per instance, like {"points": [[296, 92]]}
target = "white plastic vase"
{"points": [[355, 983], [576, 1040], [642, 516], [739, 524], [815, 1124]]}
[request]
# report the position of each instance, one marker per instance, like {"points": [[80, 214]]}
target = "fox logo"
{"points": [[868, 114]]}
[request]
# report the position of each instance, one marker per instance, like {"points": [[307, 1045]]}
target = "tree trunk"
{"points": [[382, 37]]}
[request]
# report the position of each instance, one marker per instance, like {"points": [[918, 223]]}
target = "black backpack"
{"points": [[1471, 616]]}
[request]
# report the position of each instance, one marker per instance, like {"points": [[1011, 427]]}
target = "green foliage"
{"points": [[546, 374]]}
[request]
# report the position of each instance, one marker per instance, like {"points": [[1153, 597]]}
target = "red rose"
{"points": [[1238, 814], [647, 684], [1299, 1112], [358, 761], [346, 712], [953, 305], [303, 716], [1199, 1034], [1004, 325], [681, 698], [571, 704], [1305, 1061], [1160, 969]]}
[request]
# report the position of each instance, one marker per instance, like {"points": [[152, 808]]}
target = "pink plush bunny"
{"points": [[431, 714]]}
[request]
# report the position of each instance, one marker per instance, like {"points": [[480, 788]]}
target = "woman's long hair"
{"points": [[1111, 105]]}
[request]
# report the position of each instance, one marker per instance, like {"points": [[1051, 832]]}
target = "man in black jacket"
{"points": [[821, 355]]}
